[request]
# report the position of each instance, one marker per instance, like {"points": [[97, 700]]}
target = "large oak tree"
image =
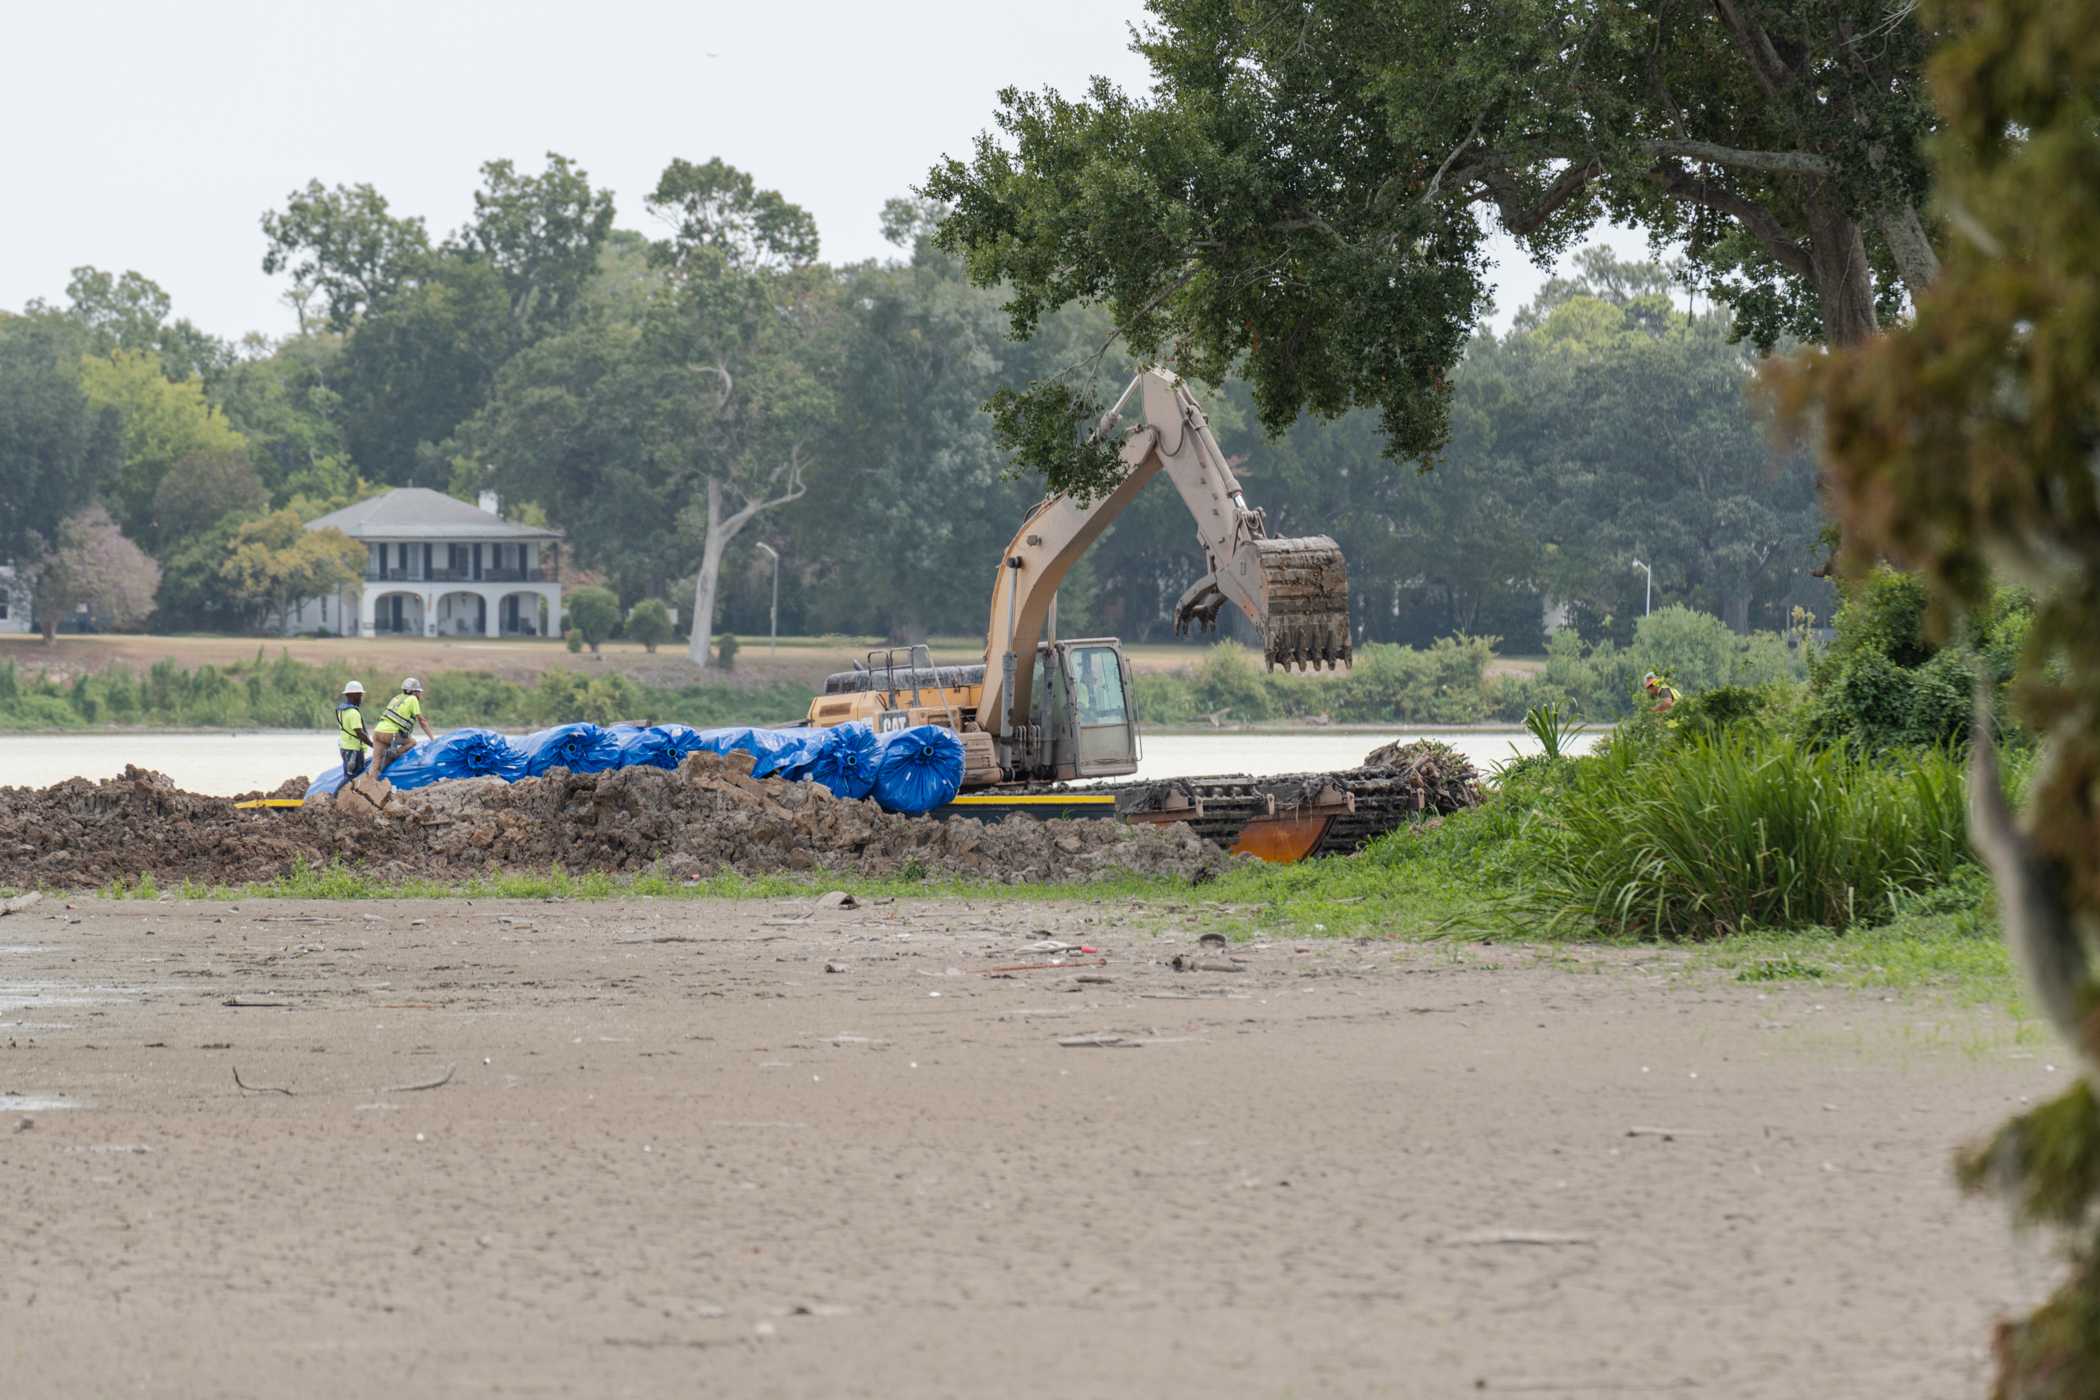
{"points": [[1305, 192]]}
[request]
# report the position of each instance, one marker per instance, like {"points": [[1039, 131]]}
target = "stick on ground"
{"points": [[438, 1083]]}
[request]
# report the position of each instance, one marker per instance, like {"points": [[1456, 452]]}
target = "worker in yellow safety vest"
{"points": [[1661, 692], [404, 710], [353, 741]]}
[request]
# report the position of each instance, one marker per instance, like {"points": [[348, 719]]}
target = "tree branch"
{"points": [[796, 488], [1910, 246], [1778, 162], [1756, 220], [1508, 195], [1436, 181], [1766, 66]]}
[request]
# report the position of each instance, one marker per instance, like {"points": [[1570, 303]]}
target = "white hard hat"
{"points": [[353, 687], [411, 686]]}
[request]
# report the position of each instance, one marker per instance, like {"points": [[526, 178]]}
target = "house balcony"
{"points": [[417, 574]]}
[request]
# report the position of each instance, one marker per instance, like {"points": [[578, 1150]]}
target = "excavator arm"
{"points": [[1294, 591]]}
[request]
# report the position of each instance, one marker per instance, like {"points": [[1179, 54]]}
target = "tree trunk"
{"points": [[706, 582], [48, 621], [1837, 256], [1909, 245], [1735, 608]]}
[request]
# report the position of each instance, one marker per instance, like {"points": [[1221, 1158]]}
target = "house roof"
{"points": [[419, 513]]}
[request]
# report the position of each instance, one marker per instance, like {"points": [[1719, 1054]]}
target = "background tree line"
{"points": [[670, 401]]}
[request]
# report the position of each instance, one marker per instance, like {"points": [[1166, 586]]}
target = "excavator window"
{"points": [[1098, 683]]}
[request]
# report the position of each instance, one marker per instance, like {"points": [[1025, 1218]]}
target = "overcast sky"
{"points": [[153, 136]]}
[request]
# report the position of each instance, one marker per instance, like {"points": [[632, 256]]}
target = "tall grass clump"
{"points": [[1712, 834]]}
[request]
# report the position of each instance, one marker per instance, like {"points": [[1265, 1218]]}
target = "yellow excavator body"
{"points": [[1042, 709]]}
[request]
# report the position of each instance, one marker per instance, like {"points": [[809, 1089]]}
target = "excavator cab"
{"points": [[1093, 710]]}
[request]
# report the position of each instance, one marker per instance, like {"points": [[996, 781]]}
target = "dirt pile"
{"points": [[707, 817], [80, 833]]}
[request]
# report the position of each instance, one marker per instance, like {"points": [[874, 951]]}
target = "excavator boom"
{"points": [[1294, 591]]}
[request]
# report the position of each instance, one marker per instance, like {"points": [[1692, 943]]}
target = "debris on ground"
{"points": [[1442, 779], [707, 817], [1189, 962]]}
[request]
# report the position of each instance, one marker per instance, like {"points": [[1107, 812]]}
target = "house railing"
{"points": [[416, 573]]}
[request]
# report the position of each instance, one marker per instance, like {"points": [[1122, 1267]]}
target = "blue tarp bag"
{"points": [[457, 753], [683, 738], [327, 785], [649, 747], [580, 748], [775, 753], [846, 763], [918, 770]]}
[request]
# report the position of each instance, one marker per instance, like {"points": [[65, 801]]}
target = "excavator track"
{"points": [[1306, 583], [1292, 816]]}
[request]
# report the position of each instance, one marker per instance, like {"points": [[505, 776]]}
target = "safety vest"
{"points": [[401, 712], [352, 722]]}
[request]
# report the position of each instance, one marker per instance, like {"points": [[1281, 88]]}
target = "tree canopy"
{"points": [[57, 446], [91, 563], [1304, 195]]}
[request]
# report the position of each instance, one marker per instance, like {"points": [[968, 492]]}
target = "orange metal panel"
{"points": [[1283, 840]]}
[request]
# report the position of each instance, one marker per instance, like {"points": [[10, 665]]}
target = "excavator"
{"points": [[1041, 711]]}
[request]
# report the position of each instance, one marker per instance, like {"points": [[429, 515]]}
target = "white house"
{"points": [[14, 602], [438, 567]]}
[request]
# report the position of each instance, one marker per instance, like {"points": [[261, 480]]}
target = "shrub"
{"points": [[1231, 679], [121, 694], [1554, 728], [726, 648], [1887, 683], [1443, 683], [595, 612], [1719, 833], [1884, 613], [649, 622], [40, 712], [573, 639], [1696, 651]]}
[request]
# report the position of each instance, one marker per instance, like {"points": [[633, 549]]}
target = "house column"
{"points": [[491, 612], [430, 614], [554, 628], [367, 613]]}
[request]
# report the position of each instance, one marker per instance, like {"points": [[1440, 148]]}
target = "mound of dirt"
{"points": [[707, 817]]}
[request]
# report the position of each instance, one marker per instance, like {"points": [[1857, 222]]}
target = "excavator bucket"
{"points": [[1306, 583], [1299, 586]]}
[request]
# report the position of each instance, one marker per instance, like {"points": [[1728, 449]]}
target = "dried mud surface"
{"points": [[707, 817], [774, 1149]]}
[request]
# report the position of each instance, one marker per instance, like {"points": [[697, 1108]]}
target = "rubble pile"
{"points": [[706, 817], [1434, 777]]}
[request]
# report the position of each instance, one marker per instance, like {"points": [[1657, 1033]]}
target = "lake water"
{"points": [[231, 763]]}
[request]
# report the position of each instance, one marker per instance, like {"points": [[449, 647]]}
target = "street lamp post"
{"points": [[773, 624], [1648, 600]]}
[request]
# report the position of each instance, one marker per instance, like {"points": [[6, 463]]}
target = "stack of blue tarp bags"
{"points": [[911, 771], [580, 748], [457, 753]]}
